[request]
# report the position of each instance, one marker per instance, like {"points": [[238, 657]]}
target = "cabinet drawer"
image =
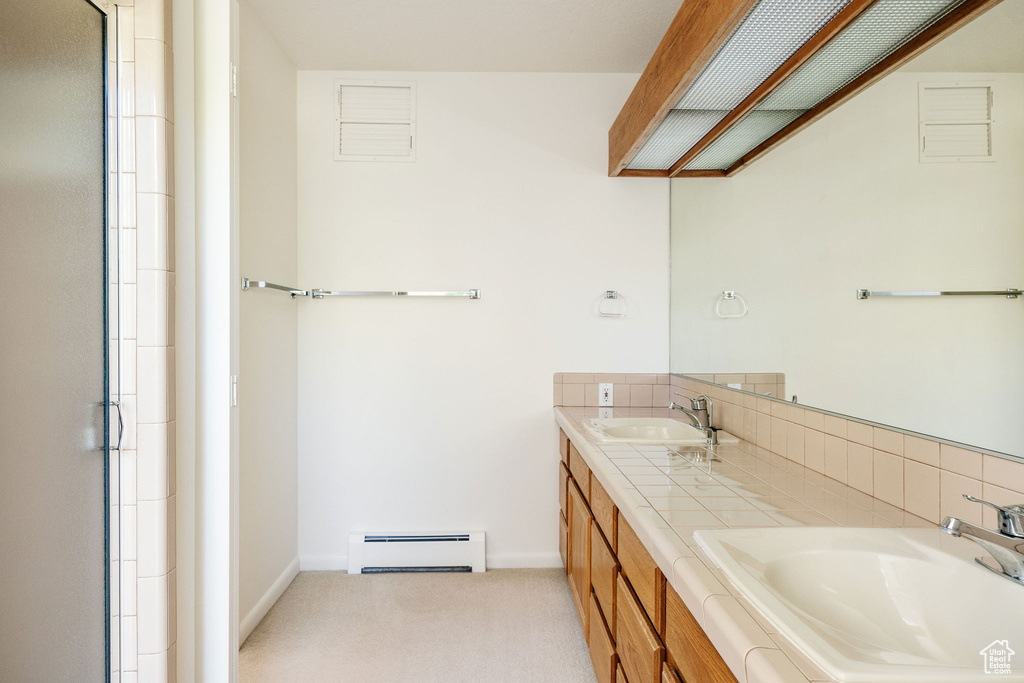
{"points": [[563, 488], [604, 569], [604, 511], [563, 540], [579, 553], [602, 649], [689, 650], [563, 446], [580, 471], [639, 649], [643, 574], [668, 675]]}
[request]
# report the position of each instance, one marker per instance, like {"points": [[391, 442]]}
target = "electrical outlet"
{"points": [[604, 394]]}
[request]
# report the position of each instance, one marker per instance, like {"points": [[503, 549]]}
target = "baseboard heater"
{"points": [[416, 552]]}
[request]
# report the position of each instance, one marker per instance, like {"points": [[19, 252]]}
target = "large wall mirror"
{"points": [[916, 184]]}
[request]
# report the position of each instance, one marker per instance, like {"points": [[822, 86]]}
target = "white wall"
{"points": [[436, 414], [268, 324], [846, 205]]}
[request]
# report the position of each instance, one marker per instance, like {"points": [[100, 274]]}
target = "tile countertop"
{"points": [[666, 496]]}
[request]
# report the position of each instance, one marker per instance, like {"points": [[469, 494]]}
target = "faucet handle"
{"points": [[1011, 517]]}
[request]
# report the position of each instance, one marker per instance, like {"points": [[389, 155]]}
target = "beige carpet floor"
{"points": [[505, 625]]}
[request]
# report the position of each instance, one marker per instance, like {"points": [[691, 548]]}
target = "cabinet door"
{"points": [[579, 554], [563, 446], [643, 574], [668, 675], [604, 568], [563, 541], [620, 675], [604, 511], [638, 647], [602, 649], [580, 471], [563, 489], [689, 649]]}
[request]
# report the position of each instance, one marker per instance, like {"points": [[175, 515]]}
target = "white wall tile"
{"points": [[153, 635], [127, 480], [129, 536], [153, 552], [153, 141], [126, 368], [153, 463], [126, 34], [150, 78], [129, 586], [129, 646], [154, 236], [152, 19], [154, 383], [128, 251], [153, 668], [154, 308]]}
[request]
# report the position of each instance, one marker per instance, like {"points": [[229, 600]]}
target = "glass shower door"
{"points": [[54, 506]]}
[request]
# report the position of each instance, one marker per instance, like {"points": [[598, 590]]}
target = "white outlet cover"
{"points": [[605, 395]]}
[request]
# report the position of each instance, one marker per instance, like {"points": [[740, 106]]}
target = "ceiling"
{"points": [[595, 36], [991, 43]]}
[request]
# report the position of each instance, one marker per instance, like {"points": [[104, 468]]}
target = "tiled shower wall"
{"points": [[923, 476], [147, 549]]}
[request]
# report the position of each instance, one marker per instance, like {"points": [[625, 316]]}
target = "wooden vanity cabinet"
{"points": [[668, 675], [580, 520], [605, 512], [604, 570], [637, 627], [690, 652], [643, 574], [602, 647], [638, 646]]}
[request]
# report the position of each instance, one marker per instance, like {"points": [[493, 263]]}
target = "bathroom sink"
{"points": [[876, 605], [644, 430]]}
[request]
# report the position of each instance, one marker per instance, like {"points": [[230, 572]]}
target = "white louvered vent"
{"points": [[956, 121], [375, 121]]}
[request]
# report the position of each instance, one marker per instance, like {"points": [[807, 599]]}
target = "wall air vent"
{"points": [[375, 121], [956, 121], [734, 78]]}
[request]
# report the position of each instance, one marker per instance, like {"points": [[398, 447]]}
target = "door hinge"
{"points": [[234, 80], [234, 391]]}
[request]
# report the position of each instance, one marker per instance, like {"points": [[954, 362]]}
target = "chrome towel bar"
{"points": [[294, 291], [321, 293], [1008, 293]]}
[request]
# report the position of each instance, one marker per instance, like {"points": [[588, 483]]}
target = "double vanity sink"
{"points": [[875, 605], [868, 605]]}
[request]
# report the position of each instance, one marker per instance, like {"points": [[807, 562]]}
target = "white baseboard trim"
{"points": [[256, 614], [524, 560], [323, 563]]}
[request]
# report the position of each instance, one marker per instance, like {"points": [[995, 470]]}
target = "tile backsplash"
{"points": [[922, 476]]}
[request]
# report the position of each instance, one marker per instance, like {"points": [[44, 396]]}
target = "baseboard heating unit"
{"points": [[416, 552]]}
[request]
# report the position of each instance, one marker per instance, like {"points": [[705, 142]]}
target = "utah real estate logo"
{"points": [[997, 657]]}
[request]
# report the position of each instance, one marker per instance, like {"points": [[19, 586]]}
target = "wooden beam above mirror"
{"points": [[699, 29]]}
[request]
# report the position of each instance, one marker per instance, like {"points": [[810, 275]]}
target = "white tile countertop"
{"points": [[667, 493]]}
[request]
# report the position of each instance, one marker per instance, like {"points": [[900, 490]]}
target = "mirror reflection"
{"points": [[917, 184]]}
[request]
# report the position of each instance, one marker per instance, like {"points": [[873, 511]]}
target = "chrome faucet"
{"points": [[1005, 545], [700, 414]]}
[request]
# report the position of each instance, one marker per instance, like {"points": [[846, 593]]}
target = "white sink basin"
{"points": [[876, 605], [645, 430]]}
